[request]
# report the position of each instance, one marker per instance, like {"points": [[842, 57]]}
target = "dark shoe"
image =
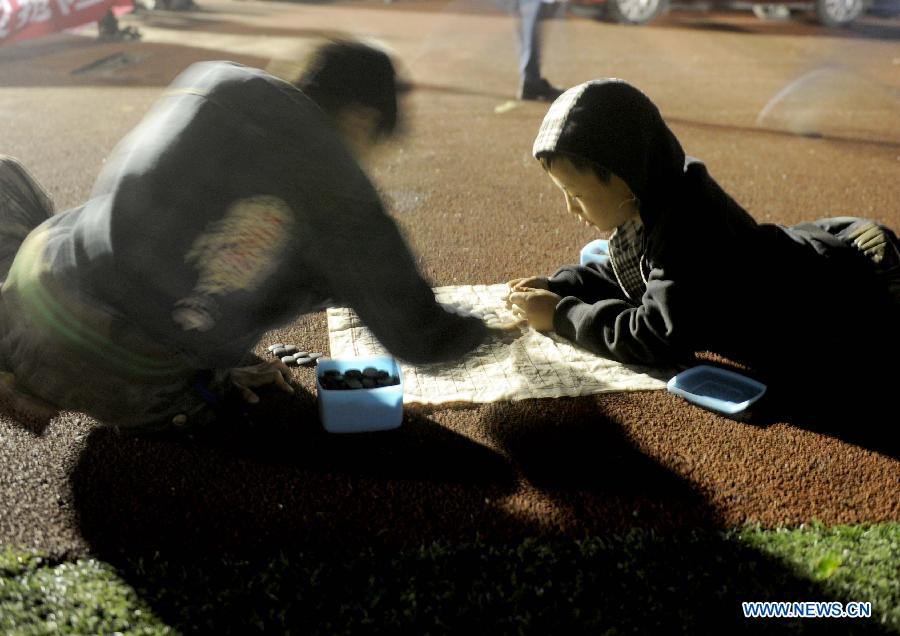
{"points": [[539, 91]]}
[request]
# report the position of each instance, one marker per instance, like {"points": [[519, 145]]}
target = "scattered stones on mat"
{"points": [[368, 378], [291, 355]]}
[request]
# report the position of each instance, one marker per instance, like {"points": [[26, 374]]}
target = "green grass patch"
{"points": [[639, 582], [859, 563], [38, 596]]}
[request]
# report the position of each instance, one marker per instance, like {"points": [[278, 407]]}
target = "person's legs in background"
{"points": [[532, 85]]}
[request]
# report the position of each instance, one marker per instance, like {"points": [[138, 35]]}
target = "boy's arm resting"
{"points": [[589, 283], [616, 329]]}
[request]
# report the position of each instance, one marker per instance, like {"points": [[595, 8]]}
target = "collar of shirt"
{"points": [[626, 246]]}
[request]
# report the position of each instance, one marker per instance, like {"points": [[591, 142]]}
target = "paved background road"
{"points": [[794, 120]]}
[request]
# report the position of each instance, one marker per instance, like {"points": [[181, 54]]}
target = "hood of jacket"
{"points": [[616, 126]]}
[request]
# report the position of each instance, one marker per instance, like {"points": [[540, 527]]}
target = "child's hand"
{"points": [[243, 378], [537, 307], [534, 282]]}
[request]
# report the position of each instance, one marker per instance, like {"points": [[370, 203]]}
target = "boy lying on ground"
{"points": [[814, 307]]}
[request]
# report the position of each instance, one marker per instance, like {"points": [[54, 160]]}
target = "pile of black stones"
{"points": [[291, 355], [368, 378]]}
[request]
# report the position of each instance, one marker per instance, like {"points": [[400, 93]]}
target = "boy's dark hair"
{"points": [[546, 159], [343, 73]]}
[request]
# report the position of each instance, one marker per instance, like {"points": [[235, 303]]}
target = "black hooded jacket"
{"points": [[780, 299]]}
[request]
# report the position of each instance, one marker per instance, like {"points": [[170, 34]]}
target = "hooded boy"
{"points": [[234, 206], [809, 307]]}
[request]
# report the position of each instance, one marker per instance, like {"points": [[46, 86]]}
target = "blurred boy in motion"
{"points": [[234, 206]]}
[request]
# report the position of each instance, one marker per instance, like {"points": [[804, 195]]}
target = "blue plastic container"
{"points": [[595, 252], [717, 389], [360, 410]]}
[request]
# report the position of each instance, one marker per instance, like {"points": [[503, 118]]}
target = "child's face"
{"points": [[603, 205]]}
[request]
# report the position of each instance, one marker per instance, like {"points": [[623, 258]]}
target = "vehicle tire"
{"points": [[635, 11], [835, 13]]}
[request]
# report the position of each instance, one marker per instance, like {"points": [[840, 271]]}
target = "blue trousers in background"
{"points": [[529, 40]]}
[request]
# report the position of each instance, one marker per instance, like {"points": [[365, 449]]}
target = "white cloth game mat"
{"points": [[523, 364]]}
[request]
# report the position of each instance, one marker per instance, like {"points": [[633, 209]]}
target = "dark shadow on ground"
{"points": [[596, 478], [858, 415], [642, 583], [862, 418], [266, 523], [275, 478]]}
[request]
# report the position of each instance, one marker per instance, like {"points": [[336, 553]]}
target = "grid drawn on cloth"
{"points": [[525, 364]]}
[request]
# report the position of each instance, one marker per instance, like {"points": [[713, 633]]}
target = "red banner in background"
{"points": [[27, 19]]}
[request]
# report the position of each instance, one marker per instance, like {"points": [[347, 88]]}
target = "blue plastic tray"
{"points": [[717, 389], [360, 410]]}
